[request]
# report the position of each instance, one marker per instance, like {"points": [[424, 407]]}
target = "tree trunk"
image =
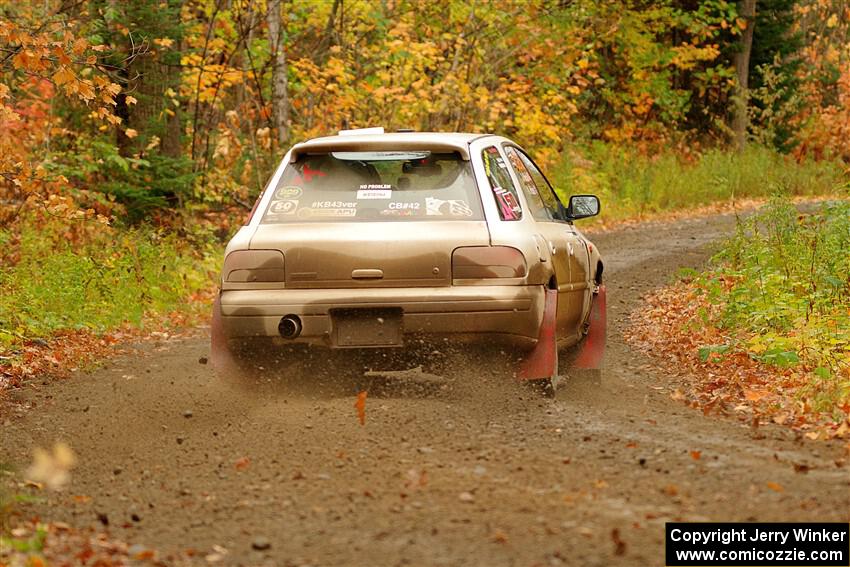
{"points": [[280, 98], [747, 10]]}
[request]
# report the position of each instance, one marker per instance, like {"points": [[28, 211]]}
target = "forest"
{"points": [[135, 136]]}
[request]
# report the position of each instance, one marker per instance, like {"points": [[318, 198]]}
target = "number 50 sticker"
{"points": [[284, 207]]}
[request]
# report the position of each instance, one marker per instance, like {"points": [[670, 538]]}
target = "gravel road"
{"points": [[475, 470]]}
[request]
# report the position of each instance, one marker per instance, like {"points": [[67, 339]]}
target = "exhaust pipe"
{"points": [[289, 327]]}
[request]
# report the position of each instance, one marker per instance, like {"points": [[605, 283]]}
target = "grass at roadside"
{"points": [[72, 286], [631, 184], [766, 328]]}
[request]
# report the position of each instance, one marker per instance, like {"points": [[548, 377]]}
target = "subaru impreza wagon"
{"points": [[368, 239]]}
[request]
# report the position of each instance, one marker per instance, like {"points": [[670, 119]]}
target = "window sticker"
{"points": [[313, 212], [288, 192], [375, 192], [508, 205], [455, 208], [287, 207], [504, 191], [401, 206], [400, 212], [333, 205]]}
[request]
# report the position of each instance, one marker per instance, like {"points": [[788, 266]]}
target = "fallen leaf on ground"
{"points": [[755, 395], [695, 455], [52, 468], [360, 405], [775, 486], [619, 544], [242, 464]]}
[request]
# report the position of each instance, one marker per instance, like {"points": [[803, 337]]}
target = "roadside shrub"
{"points": [[634, 184], [783, 285], [109, 277]]}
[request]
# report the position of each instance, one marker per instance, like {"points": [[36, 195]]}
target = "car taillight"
{"points": [[245, 266], [484, 262]]}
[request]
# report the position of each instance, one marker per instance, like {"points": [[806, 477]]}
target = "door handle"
{"points": [[365, 274]]}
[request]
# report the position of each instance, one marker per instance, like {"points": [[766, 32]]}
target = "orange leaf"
{"points": [[61, 56], [360, 405], [775, 486], [754, 395], [242, 464], [62, 76], [85, 91], [80, 46], [695, 455]]}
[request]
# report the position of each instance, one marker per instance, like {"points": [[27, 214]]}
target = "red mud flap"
{"points": [[220, 355], [593, 347], [542, 362]]}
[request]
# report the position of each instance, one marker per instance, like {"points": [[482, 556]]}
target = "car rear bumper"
{"points": [[514, 312]]}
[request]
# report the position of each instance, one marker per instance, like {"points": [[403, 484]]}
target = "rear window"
{"points": [[375, 186]]}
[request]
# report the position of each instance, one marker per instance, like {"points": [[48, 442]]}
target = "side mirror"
{"points": [[583, 206]]}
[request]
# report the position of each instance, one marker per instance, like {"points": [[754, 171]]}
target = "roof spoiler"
{"points": [[358, 131], [390, 142]]}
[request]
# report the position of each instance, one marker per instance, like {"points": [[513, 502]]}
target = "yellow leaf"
{"points": [[80, 46], [62, 76], [61, 56], [86, 91], [130, 100], [130, 133], [832, 21]]}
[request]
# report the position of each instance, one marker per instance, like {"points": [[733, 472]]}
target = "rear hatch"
{"points": [[381, 254], [372, 219]]}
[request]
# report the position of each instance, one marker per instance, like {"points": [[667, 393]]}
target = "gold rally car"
{"points": [[368, 239]]}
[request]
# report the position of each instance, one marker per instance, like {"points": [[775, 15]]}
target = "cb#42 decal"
{"points": [[400, 206]]}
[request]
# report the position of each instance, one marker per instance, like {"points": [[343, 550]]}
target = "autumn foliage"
{"points": [[134, 136], [765, 333]]}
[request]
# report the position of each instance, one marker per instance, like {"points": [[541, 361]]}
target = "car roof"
{"points": [[351, 141]]}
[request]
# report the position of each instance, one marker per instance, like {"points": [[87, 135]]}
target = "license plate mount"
{"points": [[366, 327]]}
